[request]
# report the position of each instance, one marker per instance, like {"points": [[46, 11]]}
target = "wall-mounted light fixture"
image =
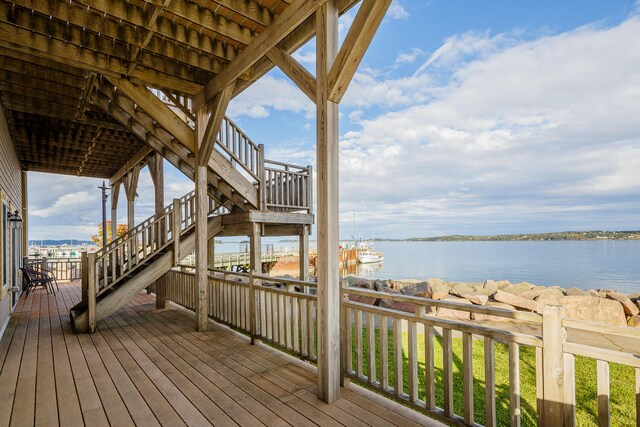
{"points": [[14, 219]]}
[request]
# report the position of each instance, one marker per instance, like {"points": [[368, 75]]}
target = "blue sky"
{"points": [[465, 117]]}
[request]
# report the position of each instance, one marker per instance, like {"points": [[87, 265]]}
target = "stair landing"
{"points": [[149, 367]]}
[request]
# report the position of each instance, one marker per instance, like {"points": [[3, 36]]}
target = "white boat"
{"points": [[367, 254]]}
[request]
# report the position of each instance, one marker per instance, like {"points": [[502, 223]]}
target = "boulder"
{"points": [[439, 295], [634, 321], [534, 293], [407, 307], [628, 306], [593, 293], [490, 286], [576, 292], [548, 299], [416, 288], [517, 301], [634, 295], [460, 289], [594, 309], [477, 299], [519, 288], [503, 284], [487, 317], [399, 284], [454, 314], [438, 285]]}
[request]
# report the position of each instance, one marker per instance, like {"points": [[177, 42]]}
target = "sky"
{"points": [[465, 117]]}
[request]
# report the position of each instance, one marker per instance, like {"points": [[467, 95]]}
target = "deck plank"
{"points": [[147, 367]]}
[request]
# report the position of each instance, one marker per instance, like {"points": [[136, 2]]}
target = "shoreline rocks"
{"points": [[601, 305]]}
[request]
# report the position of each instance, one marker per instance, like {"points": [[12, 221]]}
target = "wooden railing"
{"points": [[121, 257], [62, 268], [240, 150], [428, 361], [287, 187], [284, 314]]}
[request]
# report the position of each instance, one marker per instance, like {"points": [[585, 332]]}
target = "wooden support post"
{"points": [[327, 163], [304, 253], [156, 168], [201, 201], [175, 231], [25, 214], [255, 241], [84, 275], [92, 290], [553, 338], [115, 192], [211, 252], [130, 188]]}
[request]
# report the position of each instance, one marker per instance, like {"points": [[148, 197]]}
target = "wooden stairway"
{"points": [[131, 263]]}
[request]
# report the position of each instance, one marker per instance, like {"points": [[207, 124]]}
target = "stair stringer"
{"points": [[146, 276]]}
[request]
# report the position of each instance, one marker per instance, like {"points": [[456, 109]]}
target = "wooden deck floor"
{"points": [[149, 367]]}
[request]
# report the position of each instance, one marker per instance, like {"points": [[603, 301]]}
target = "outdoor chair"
{"points": [[35, 278], [48, 273]]}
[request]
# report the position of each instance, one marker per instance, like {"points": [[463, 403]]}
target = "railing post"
{"points": [[43, 263], [84, 274], [310, 189], [252, 306], [175, 230], [261, 179], [92, 290], [553, 339], [345, 332]]}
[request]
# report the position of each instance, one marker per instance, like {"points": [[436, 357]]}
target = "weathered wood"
{"points": [[255, 266], [553, 336], [514, 385], [202, 272], [429, 366], [413, 362], [155, 163], [357, 315], [115, 193], [604, 405], [138, 157], [447, 371], [295, 71], [467, 377], [490, 382], [92, 290], [284, 24], [218, 109], [355, 45], [398, 358], [328, 239], [303, 245], [371, 348]]}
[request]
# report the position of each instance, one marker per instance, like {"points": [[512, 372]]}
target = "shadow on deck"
{"points": [[149, 367]]}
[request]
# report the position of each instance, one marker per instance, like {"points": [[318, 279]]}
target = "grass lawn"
{"points": [[623, 409]]}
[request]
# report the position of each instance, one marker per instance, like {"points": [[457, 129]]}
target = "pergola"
{"points": [[80, 82]]}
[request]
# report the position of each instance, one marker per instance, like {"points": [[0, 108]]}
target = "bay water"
{"points": [[590, 264]]}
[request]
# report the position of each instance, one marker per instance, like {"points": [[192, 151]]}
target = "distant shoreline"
{"points": [[564, 235]]}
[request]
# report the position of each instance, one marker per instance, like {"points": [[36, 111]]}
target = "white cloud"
{"points": [[409, 57], [520, 132], [66, 203], [397, 11], [270, 93]]}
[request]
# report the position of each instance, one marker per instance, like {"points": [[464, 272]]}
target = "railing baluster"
{"points": [[603, 393], [384, 352], [397, 356], [281, 320], [447, 371], [467, 374], [490, 382], [514, 384], [358, 335], [371, 347], [429, 377], [413, 362]]}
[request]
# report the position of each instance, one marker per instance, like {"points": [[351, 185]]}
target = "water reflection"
{"points": [[365, 271]]}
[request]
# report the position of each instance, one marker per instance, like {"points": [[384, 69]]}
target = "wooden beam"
{"points": [[86, 93], [157, 110], [295, 71], [295, 14], [355, 45], [329, 372], [152, 16], [201, 258], [115, 193], [182, 107], [218, 109], [139, 157]]}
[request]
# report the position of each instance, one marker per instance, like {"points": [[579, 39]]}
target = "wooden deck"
{"points": [[149, 367]]}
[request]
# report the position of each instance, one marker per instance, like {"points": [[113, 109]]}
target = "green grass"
{"points": [[622, 381]]}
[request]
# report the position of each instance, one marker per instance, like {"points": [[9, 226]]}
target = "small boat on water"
{"points": [[368, 255]]}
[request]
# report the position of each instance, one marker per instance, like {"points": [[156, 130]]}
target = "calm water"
{"points": [[584, 264]]}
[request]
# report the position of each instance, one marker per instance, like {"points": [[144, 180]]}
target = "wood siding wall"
{"points": [[10, 173]]}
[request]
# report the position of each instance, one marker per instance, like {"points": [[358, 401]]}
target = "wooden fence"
{"points": [[62, 268], [379, 346]]}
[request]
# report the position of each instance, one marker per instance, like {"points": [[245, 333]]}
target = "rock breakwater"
{"points": [[602, 305]]}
